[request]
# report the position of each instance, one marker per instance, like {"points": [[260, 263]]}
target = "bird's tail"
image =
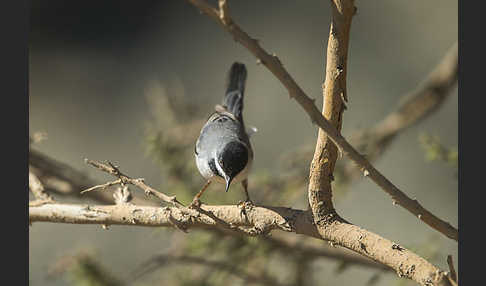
{"points": [[235, 89]]}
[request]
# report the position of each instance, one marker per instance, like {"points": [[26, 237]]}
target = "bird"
{"points": [[223, 150]]}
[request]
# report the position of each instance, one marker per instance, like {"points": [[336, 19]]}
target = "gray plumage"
{"points": [[223, 150]]}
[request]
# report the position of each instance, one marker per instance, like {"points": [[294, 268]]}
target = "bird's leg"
{"points": [[244, 183], [195, 201], [247, 203]]}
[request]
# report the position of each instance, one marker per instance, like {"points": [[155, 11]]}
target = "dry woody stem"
{"points": [[258, 220], [37, 189], [124, 179], [321, 221], [342, 14], [275, 66]]}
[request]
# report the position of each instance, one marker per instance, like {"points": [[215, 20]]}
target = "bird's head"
{"points": [[231, 160]]}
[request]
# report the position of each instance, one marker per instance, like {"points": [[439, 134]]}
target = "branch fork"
{"points": [[124, 179]]}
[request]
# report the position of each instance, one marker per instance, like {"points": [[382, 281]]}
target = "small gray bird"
{"points": [[223, 150]]}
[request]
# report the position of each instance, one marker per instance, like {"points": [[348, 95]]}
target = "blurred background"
{"points": [[130, 82]]}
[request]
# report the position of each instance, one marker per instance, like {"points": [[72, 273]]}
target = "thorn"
{"points": [[343, 99], [397, 247], [419, 216], [340, 152], [277, 59]]}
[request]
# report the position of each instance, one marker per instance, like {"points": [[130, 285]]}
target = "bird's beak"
{"points": [[228, 182]]}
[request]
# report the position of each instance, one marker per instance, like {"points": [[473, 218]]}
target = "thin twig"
{"points": [[37, 189], [102, 187], [295, 92], [124, 179], [63, 180], [453, 274], [415, 106]]}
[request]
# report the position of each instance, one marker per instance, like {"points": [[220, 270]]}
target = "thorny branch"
{"points": [[415, 106], [124, 179], [329, 223], [63, 180], [257, 220], [261, 218], [275, 66], [307, 250], [264, 219]]}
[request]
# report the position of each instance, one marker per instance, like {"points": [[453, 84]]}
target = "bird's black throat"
{"points": [[233, 158]]}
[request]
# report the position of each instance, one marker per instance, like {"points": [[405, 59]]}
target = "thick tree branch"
{"points": [[329, 224], [250, 220], [263, 219], [295, 92], [312, 252], [334, 93], [305, 248]]}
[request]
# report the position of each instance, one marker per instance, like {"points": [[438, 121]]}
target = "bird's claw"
{"points": [[244, 206]]}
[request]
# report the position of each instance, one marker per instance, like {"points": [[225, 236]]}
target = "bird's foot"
{"points": [[245, 206], [246, 203]]}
